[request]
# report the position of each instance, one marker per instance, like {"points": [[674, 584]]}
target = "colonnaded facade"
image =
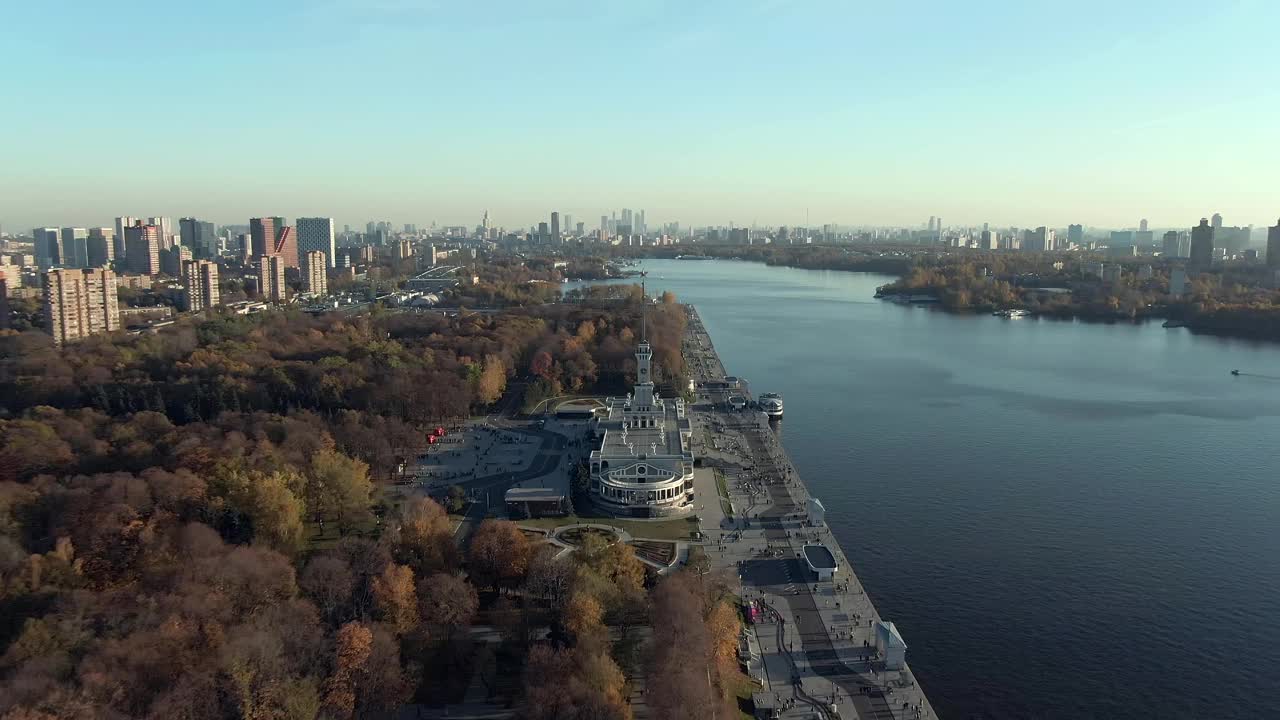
{"points": [[643, 465]]}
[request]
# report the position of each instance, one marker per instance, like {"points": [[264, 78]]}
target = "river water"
{"points": [[1064, 520]]}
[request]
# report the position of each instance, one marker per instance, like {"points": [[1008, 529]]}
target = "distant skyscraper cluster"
{"points": [[267, 253]]}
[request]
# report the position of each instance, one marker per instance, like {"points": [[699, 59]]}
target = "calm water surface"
{"points": [[1065, 520]]}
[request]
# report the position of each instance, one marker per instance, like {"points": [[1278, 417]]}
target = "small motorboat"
{"points": [[1235, 372]]}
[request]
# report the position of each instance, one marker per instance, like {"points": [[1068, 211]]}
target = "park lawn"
{"points": [[722, 487], [678, 529]]}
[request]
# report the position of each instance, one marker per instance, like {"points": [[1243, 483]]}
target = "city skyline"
{"points": [[856, 115], [326, 227]]}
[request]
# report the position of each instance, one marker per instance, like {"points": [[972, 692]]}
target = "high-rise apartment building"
{"points": [[166, 230], [314, 280], [142, 249], [1169, 244], [74, 247], [1216, 223], [263, 231], [271, 278], [555, 227], [80, 303], [4, 296], [272, 237], [316, 235], [1142, 225], [200, 285], [47, 247], [1202, 246], [171, 260], [102, 246], [1042, 239], [200, 236], [1075, 234], [1273, 246], [244, 248], [121, 224]]}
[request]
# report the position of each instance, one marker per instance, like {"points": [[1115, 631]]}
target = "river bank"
{"points": [[814, 642], [1045, 506]]}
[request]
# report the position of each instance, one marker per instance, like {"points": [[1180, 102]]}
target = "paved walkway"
{"points": [[493, 488], [816, 645]]}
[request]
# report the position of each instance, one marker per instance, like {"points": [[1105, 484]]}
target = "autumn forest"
{"points": [[193, 525]]}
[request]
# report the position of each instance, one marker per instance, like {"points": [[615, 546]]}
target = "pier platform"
{"points": [[816, 639]]}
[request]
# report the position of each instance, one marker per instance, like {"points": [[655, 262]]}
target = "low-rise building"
{"points": [[535, 503]]}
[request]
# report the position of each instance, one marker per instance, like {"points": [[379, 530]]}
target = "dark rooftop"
{"points": [[820, 557]]}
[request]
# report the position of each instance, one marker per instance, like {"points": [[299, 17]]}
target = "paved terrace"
{"points": [[814, 651]]}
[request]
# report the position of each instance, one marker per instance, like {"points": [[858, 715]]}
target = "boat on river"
{"points": [[771, 404]]}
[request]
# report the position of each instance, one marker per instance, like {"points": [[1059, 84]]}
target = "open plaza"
{"points": [[709, 479]]}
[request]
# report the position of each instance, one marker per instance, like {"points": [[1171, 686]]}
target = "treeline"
{"points": [[149, 613], [508, 281], [182, 592], [991, 281], [809, 257], [419, 368], [1231, 301], [190, 528]]}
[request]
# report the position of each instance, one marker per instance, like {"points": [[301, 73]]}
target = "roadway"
{"points": [[494, 487]]}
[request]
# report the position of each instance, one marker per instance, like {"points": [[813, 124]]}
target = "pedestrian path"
{"points": [[817, 644]]}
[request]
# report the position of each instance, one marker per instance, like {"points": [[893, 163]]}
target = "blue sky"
{"points": [[1015, 113]]}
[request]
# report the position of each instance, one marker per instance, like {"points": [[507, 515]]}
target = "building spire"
{"points": [[644, 313]]}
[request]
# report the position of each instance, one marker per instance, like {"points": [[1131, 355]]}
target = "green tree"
{"points": [[277, 512], [339, 488]]}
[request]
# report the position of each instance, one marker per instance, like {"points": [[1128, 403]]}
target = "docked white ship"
{"points": [[771, 404]]}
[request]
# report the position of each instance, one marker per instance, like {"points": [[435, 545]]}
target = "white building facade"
{"points": [[643, 465]]}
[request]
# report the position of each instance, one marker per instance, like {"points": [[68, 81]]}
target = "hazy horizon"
{"points": [[415, 110]]}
